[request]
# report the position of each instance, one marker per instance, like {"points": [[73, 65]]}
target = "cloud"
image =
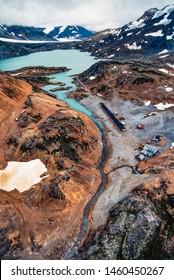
{"points": [[95, 14]]}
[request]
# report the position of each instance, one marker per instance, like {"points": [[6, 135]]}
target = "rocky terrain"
{"points": [[133, 218], [132, 80], [141, 225], [43, 221], [12, 49], [36, 76]]}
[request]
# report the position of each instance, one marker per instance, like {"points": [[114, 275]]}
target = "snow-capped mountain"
{"points": [[151, 33], [69, 33], [59, 33], [20, 40]]}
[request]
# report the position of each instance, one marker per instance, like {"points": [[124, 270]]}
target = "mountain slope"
{"points": [[44, 34], [45, 218], [21, 40], [70, 32], [24, 33], [151, 33]]}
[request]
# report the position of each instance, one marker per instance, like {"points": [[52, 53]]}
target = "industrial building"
{"points": [[149, 151], [112, 117]]}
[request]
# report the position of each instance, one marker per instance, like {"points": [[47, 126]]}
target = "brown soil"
{"points": [[43, 222]]}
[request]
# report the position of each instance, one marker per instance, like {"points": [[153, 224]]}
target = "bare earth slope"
{"points": [[43, 221]]}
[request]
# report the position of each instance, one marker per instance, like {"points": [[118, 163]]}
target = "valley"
{"points": [[87, 145]]}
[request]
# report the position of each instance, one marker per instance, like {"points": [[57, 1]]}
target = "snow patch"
{"points": [[112, 55], [167, 10], [164, 21], [16, 74], [147, 103], [21, 175], [24, 41], [168, 89], [169, 37], [163, 56], [155, 34], [136, 24], [164, 71], [69, 39], [133, 46], [162, 106], [164, 51], [170, 65], [61, 29], [92, 78], [99, 95], [47, 30]]}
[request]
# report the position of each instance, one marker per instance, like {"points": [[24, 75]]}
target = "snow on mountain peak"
{"points": [[167, 10], [48, 30], [136, 24], [62, 28]]}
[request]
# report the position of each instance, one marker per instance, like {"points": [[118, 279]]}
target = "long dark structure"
{"points": [[112, 117]]}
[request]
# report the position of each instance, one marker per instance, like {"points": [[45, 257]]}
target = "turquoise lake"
{"points": [[74, 59]]}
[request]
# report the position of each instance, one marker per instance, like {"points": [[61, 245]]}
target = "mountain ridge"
{"points": [[68, 32], [149, 34]]}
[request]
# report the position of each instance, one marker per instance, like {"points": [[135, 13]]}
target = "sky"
{"points": [[93, 14]]}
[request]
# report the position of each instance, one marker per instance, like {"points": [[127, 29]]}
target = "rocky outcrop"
{"points": [[36, 76], [12, 50], [138, 227]]}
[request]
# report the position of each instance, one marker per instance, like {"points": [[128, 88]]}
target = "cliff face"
{"points": [[43, 221], [141, 226]]}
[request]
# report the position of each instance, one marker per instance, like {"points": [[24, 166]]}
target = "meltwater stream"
{"points": [[78, 62]]}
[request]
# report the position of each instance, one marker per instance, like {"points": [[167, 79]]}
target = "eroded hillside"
{"points": [[44, 220]]}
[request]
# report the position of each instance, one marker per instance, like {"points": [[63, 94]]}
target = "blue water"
{"points": [[74, 59]]}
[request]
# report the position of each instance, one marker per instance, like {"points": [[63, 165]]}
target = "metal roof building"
{"points": [[149, 150]]}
